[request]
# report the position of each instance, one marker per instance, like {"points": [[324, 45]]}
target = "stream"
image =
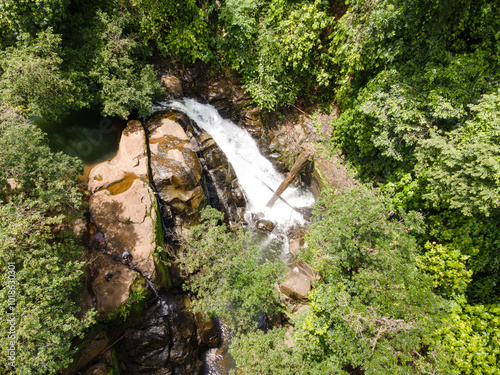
{"points": [[258, 179], [256, 175]]}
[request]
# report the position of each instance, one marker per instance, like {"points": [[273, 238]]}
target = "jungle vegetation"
{"points": [[410, 258]]}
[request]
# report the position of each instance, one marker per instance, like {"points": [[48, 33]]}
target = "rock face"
{"points": [[328, 174], [229, 197], [114, 292], [168, 342], [124, 210], [298, 282], [175, 167], [130, 160], [172, 85], [167, 337], [265, 225]]}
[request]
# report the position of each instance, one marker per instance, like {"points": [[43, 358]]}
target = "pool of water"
{"points": [[84, 134]]}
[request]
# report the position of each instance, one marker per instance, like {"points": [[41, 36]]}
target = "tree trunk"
{"points": [[301, 161]]}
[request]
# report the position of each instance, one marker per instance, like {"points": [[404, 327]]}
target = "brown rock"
{"points": [[265, 225], [123, 209], [172, 85], [219, 90], [298, 282], [131, 158], [128, 221], [206, 331], [112, 293], [294, 246], [95, 347], [98, 369], [175, 166]]}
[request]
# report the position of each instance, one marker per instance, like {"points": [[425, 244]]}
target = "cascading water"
{"points": [[258, 179], [256, 174]]}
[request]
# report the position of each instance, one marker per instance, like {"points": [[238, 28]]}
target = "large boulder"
{"points": [[175, 167], [130, 160], [110, 281], [298, 282], [172, 85], [92, 348], [125, 212], [168, 341], [329, 174], [228, 194], [128, 221]]}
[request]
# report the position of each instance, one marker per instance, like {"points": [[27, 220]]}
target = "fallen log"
{"points": [[301, 161], [283, 199]]}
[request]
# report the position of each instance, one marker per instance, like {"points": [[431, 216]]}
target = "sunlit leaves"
{"points": [[227, 274], [39, 200]]}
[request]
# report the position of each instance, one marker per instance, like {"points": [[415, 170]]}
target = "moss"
{"points": [[163, 278], [134, 304], [116, 364]]}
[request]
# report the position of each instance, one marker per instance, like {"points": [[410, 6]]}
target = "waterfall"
{"points": [[256, 175]]}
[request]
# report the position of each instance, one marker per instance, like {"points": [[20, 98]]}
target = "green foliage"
{"points": [[31, 79], [472, 335], [28, 16], [176, 28], [420, 108], [124, 83], [477, 239], [228, 277], [76, 57], [266, 353], [447, 268], [377, 311], [39, 200], [278, 46], [461, 170]]}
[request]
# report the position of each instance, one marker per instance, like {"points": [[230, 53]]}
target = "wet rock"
{"points": [[146, 350], [294, 246], [265, 225], [183, 330], [221, 178], [175, 166], [212, 154], [238, 195], [219, 90], [167, 341], [172, 85], [256, 216], [206, 331], [296, 238], [96, 344]]}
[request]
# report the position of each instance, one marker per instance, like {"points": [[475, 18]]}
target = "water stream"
{"points": [[258, 179], [256, 174]]}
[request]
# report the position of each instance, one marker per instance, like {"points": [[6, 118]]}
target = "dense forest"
{"points": [[409, 258]]}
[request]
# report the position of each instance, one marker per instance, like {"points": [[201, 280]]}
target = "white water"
{"points": [[253, 170]]}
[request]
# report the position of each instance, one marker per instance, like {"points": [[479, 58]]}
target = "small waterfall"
{"points": [[258, 179], [256, 174]]}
